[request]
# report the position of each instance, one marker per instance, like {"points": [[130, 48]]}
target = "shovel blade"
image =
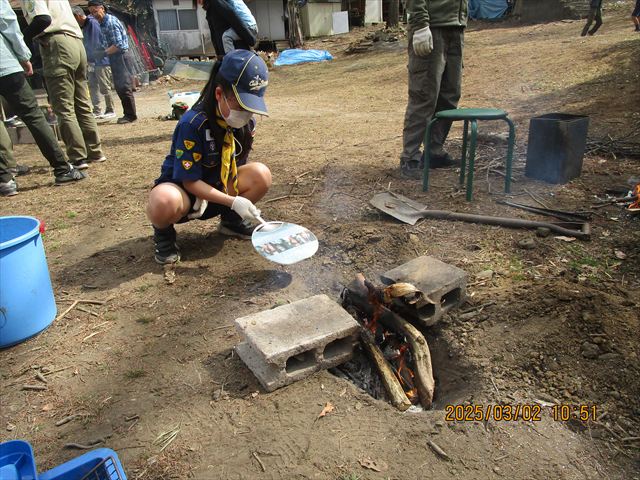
{"points": [[284, 243], [402, 208]]}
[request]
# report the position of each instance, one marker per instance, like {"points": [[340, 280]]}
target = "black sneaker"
{"points": [[166, 249], [8, 189], [19, 170], [411, 169], [73, 175], [125, 119], [443, 160], [242, 229], [80, 164]]}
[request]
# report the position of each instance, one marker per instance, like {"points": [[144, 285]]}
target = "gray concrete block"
{"points": [[443, 283], [290, 342]]}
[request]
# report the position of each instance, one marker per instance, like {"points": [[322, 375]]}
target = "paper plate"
{"points": [[284, 243]]}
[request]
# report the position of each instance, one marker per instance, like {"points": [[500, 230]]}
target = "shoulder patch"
{"points": [[189, 144], [197, 156], [187, 164], [179, 153]]}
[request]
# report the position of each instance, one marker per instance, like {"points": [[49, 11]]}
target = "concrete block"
{"points": [[443, 283], [290, 342]]}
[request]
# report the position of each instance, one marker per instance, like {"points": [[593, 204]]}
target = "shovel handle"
{"points": [[584, 233]]}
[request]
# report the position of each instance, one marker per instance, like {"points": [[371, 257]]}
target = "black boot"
{"points": [[166, 249]]}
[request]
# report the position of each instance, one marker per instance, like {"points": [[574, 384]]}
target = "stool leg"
{"points": [[472, 158], [463, 160], [426, 156], [512, 141]]}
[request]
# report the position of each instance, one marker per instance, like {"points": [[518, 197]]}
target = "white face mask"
{"points": [[236, 118]]}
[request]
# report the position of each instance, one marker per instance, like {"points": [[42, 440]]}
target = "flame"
{"points": [[635, 205]]}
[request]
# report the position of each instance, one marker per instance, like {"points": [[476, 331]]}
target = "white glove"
{"points": [[422, 42], [243, 207], [199, 206]]}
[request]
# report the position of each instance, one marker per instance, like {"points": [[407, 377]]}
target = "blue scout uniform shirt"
{"points": [[194, 151]]}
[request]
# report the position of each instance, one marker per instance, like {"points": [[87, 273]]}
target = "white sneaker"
{"points": [[109, 115]]}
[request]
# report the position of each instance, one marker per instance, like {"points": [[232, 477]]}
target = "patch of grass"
{"points": [[135, 373], [72, 214], [146, 320], [143, 288], [349, 476]]}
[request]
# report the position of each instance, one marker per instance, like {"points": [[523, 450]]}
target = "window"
{"points": [[177, 20], [188, 19]]}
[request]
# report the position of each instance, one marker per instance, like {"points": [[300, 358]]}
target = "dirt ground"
{"points": [[556, 323]]}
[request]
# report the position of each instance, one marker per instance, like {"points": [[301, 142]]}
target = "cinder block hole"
{"points": [[450, 299], [337, 348], [429, 310], [301, 361]]}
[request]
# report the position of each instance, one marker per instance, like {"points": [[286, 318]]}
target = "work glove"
{"points": [[422, 42], [243, 207], [199, 206]]}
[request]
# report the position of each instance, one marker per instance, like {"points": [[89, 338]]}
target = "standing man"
{"points": [[14, 65], [52, 25], [436, 39], [595, 12], [99, 72], [222, 16], [116, 47]]}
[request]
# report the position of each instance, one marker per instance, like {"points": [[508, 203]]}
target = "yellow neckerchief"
{"points": [[229, 169]]}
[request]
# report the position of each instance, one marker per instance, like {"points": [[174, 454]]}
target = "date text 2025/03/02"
{"points": [[515, 412]]}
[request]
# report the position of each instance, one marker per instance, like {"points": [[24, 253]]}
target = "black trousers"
{"points": [[18, 94], [122, 71]]}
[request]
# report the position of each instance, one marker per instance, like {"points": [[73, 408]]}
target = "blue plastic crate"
{"points": [[17, 463], [100, 464]]}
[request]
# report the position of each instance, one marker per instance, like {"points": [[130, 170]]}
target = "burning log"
{"points": [[392, 385], [365, 297]]}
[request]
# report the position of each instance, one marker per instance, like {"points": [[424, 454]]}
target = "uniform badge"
{"points": [[197, 156], [179, 153], [187, 164], [189, 144]]}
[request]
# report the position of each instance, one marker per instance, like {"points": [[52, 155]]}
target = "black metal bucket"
{"points": [[556, 147]]}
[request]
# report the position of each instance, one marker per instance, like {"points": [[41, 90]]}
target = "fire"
{"points": [[635, 206]]}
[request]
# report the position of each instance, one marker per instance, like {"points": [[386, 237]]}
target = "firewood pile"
{"points": [[368, 42], [396, 348]]}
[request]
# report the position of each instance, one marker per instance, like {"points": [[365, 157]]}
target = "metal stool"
{"points": [[470, 115]]}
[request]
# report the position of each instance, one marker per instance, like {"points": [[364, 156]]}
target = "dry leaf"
{"points": [[169, 274], [376, 466], [620, 254], [328, 408], [47, 407], [565, 239], [10, 427]]}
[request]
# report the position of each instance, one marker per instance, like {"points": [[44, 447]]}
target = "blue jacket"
{"points": [[13, 50], [93, 40]]}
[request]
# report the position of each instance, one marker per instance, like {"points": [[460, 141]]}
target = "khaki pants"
{"points": [[434, 85], [100, 83], [65, 71]]}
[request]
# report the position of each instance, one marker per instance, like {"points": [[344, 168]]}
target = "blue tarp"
{"points": [[487, 8], [296, 55]]}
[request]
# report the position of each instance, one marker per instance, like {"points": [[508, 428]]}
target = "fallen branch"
{"points": [[61, 422], [255, 455], [34, 387], [392, 386], [439, 451]]}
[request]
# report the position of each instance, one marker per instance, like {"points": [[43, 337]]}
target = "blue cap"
{"points": [[249, 76]]}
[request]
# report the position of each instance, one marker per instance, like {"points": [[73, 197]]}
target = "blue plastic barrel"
{"points": [[27, 305]]}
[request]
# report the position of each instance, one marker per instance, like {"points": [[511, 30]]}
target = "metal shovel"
{"points": [[409, 211]]}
